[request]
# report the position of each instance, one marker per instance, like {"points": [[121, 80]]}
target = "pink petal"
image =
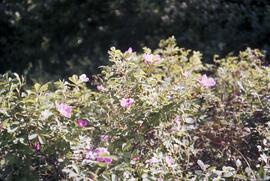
{"points": [[64, 110]]}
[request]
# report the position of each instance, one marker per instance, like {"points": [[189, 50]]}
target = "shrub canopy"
{"points": [[159, 115]]}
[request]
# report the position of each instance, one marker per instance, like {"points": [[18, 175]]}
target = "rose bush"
{"points": [[159, 115]]}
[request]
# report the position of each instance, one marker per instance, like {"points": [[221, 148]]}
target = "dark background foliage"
{"points": [[48, 39]]}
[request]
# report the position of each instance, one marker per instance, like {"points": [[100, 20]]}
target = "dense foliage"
{"points": [[159, 115], [52, 38]]}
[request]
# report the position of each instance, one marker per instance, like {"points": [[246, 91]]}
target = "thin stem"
{"points": [[245, 160]]}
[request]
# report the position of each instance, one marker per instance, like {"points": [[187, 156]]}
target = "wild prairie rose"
{"points": [[37, 146], [207, 82], [64, 109], [83, 78], [102, 155], [150, 58], [81, 123], [126, 102]]}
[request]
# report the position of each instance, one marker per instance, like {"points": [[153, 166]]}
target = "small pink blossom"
{"points": [[150, 58], [126, 102], [64, 109], [83, 78], [81, 123], [134, 160], [169, 161], [207, 82], [129, 50], [104, 138], [100, 88], [37, 146]]}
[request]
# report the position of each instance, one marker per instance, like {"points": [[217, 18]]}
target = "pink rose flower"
{"points": [[100, 88], [150, 58], [207, 82], [64, 109], [126, 102], [37, 146], [102, 155], [81, 123], [83, 78], [104, 138]]}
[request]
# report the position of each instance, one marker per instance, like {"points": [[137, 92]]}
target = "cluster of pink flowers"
{"points": [[64, 109], [151, 58], [126, 102], [81, 123], [207, 81], [101, 155]]}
